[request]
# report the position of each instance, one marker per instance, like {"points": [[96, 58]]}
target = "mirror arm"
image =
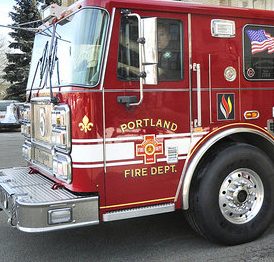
{"points": [[125, 12], [141, 42]]}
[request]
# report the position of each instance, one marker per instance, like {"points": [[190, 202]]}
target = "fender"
{"points": [[198, 152]]}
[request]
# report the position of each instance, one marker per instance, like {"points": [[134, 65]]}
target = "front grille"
{"points": [[42, 157], [41, 133]]}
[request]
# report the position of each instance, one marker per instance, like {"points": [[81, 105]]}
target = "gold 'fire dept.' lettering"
{"points": [[152, 171], [148, 122]]}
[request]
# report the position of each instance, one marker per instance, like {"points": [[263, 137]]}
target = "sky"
{"points": [[5, 8]]}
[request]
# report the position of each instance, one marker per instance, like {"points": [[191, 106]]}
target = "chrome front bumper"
{"points": [[29, 201]]}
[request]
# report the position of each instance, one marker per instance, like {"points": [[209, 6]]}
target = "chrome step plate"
{"points": [[139, 212]]}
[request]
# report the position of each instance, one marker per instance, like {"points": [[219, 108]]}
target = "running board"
{"points": [[138, 212]]}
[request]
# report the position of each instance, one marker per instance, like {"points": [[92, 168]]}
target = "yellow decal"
{"points": [[152, 171], [230, 105], [85, 125], [148, 122]]}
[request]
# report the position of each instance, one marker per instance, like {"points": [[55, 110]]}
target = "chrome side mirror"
{"points": [[150, 50], [148, 56]]}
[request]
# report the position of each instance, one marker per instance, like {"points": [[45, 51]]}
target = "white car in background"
{"points": [[9, 114]]}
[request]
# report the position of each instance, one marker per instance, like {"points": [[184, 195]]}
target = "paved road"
{"points": [[157, 238], [11, 149]]}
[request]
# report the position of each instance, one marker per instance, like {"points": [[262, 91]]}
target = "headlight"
{"points": [[60, 119], [25, 113], [59, 215], [60, 138], [60, 116], [25, 119], [61, 166], [25, 130]]}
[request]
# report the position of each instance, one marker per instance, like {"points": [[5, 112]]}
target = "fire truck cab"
{"points": [[137, 108]]}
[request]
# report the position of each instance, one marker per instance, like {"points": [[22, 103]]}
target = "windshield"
{"points": [[76, 54]]}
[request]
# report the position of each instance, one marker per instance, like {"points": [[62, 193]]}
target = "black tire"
{"points": [[211, 211]]}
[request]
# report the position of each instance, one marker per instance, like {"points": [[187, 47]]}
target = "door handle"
{"points": [[127, 100], [198, 121]]}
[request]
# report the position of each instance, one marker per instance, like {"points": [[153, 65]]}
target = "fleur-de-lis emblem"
{"points": [[85, 125]]}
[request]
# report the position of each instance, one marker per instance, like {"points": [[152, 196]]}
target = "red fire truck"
{"points": [[137, 108]]}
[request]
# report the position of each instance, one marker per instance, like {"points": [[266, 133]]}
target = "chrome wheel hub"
{"points": [[241, 196]]}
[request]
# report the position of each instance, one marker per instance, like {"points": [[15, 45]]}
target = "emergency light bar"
{"points": [[51, 12]]}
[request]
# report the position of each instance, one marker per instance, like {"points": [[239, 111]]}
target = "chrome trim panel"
{"points": [[27, 199], [239, 86], [66, 128], [147, 90], [42, 145], [107, 48], [42, 156], [186, 177], [41, 99], [197, 68], [141, 62], [210, 88], [167, 89], [102, 86], [139, 212], [59, 158], [190, 70]]}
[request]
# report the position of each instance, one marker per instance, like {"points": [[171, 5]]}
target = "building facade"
{"points": [[258, 4], [68, 2]]}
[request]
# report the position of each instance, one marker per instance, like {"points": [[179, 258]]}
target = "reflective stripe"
{"points": [[87, 155], [94, 153]]}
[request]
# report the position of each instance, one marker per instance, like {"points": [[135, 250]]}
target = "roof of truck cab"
{"points": [[185, 7]]}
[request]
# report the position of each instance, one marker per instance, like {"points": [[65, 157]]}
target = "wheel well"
{"points": [[254, 139], [247, 138], [257, 141]]}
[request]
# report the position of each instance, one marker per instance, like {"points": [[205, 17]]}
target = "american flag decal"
{"points": [[260, 41]]}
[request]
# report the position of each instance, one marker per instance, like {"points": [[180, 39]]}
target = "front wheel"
{"points": [[232, 196]]}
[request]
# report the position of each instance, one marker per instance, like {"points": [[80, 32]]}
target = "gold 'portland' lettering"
{"points": [[148, 122]]}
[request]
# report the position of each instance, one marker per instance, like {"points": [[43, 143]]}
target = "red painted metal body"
{"points": [[127, 181]]}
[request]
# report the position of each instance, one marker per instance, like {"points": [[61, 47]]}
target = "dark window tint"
{"points": [[170, 51], [258, 52]]}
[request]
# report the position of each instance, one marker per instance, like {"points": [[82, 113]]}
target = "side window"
{"points": [[170, 39], [258, 52], [128, 57], [169, 49]]}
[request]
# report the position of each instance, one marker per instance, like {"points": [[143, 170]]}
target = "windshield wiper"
{"points": [[42, 63], [47, 32], [54, 61], [50, 62]]}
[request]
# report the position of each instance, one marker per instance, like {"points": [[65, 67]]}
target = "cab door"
{"points": [[146, 145]]}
